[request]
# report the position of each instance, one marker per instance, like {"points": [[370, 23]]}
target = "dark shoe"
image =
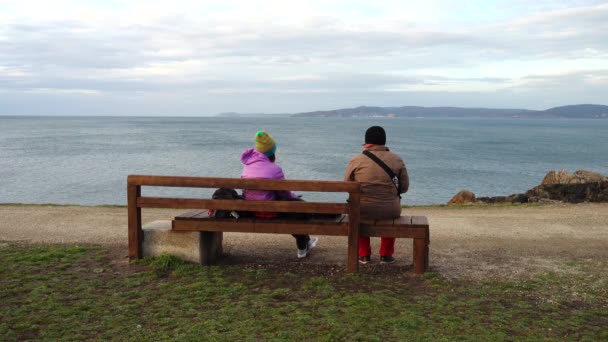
{"points": [[387, 260], [364, 259]]}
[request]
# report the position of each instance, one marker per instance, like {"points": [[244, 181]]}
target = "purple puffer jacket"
{"points": [[257, 165]]}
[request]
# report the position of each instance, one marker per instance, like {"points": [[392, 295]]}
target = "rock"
{"points": [[572, 193], [578, 177], [560, 186], [542, 200], [462, 197], [493, 200], [515, 198], [584, 176], [556, 177]]}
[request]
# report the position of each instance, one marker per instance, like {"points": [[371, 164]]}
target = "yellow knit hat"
{"points": [[265, 143]]}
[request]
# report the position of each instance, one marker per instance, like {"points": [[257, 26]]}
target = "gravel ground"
{"points": [[471, 242]]}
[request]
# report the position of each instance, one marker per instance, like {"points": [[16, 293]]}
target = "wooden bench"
{"points": [[348, 224]]}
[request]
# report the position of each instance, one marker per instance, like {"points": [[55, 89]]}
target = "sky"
{"points": [[198, 58]]}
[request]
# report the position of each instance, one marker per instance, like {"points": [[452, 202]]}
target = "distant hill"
{"points": [[578, 111], [586, 111], [248, 115]]}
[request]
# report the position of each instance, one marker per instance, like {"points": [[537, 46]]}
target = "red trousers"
{"points": [[387, 246]]}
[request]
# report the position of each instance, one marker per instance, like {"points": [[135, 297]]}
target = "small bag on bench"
{"points": [[226, 194]]}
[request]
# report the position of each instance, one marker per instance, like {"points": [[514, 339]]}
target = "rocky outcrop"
{"points": [[462, 197], [515, 198], [584, 177], [556, 177], [557, 186], [571, 193], [578, 177]]}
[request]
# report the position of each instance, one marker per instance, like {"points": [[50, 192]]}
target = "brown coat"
{"points": [[379, 199]]}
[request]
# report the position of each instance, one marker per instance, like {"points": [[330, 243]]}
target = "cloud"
{"points": [[567, 33], [569, 81], [97, 48]]}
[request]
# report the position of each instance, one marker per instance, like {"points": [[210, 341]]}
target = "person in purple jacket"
{"points": [[259, 162]]}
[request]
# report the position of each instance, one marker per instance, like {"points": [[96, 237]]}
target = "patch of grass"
{"points": [[75, 293], [165, 264]]}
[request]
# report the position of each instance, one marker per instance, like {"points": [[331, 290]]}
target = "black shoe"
{"points": [[364, 259], [387, 260]]}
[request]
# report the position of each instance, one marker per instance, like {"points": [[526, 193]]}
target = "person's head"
{"points": [[265, 144], [375, 135]]}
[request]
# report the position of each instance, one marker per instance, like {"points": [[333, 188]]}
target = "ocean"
{"points": [[86, 160]]}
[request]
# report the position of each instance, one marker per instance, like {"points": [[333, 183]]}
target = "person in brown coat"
{"points": [[381, 195]]}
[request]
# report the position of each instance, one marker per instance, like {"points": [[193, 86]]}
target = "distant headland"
{"points": [[580, 111]]}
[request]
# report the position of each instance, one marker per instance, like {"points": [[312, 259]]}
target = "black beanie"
{"points": [[375, 135]]}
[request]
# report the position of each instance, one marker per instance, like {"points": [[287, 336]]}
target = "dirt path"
{"points": [[490, 242]]}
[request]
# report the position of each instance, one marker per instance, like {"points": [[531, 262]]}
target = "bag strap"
{"points": [[387, 169]]}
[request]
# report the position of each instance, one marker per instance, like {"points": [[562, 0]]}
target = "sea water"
{"points": [[86, 160]]}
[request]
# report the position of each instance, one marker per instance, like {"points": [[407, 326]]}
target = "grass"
{"points": [[76, 293]]}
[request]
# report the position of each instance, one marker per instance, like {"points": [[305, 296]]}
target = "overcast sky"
{"points": [[180, 58]]}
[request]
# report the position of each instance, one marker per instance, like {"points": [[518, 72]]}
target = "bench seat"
{"points": [[413, 227], [198, 220]]}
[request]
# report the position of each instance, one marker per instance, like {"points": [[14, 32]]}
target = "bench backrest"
{"points": [[135, 182]]}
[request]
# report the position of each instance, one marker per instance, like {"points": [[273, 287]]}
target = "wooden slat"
{"points": [[411, 221], [331, 229], [262, 226], [383, 222], [420, 221], [238, 183], [269, 206], [248, 220], [403, 227], [403, 221], [189, 214], [202, 214], [394, 231]]}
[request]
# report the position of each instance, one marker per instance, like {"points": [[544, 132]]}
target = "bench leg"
{"points": [[210, 247], [352, 265], [421, 255], [136, 234], [426, 253], [354, 200]]}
